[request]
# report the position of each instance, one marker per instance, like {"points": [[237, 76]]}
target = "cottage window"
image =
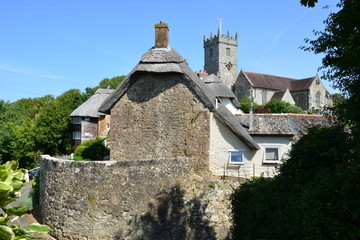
{"points": [[271, 154], [236, 156], [77, 135], [87, 118], [77, 120]]}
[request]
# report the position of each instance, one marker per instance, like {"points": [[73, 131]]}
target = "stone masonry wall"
{"points": [[144, 199], [159, 117]]}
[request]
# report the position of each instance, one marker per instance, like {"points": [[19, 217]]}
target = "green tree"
{"points": [[107, 83], [111, 83], [339, 42], [309, 3], [47, 130], [320, 181]]}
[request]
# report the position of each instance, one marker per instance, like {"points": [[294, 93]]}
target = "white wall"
{"points": [[222, 140], [230, 106]]}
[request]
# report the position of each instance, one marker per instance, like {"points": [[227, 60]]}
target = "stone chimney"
{"points": [[161, 35]]}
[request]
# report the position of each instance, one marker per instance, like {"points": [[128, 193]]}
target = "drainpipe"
{"points": [[251, 116]]}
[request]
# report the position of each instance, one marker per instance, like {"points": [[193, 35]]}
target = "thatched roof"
{"points": [[91, 106], [220, 89], [160, 60]]}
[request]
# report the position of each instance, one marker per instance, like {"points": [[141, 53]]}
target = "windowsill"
{"points": [[271, 162], [236, 163]]}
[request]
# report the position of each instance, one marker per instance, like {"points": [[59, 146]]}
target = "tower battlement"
{"points": [[221, 56], [220, 37]]}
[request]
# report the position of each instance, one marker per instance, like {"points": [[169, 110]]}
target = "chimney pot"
{"points": [[161, 35]]}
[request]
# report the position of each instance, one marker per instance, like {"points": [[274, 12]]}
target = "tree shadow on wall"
{"points": [[174, 219]]}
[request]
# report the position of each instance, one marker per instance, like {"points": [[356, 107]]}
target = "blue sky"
{"points": [[49, 47]]}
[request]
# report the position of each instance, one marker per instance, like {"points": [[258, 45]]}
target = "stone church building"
{"points": [[221, 59]]}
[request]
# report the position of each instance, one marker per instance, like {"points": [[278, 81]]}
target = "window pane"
{"points": [[236, 157], [272, 154], [76, 135]]}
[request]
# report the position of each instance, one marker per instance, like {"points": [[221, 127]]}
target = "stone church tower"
{"points": [[221, 56]]}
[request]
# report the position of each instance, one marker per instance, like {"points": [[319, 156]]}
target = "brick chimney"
{"points": [[161, 35]]}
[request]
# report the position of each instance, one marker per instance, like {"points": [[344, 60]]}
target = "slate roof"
{"points": [[91, 106], [284, 124], [162, 60], [278, 95], [260, 80], [220, 89]]}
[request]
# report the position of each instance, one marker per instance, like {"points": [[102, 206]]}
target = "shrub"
{"points": [[245, 104], [92, 149], [311, 198], [261, 109], [279, 106]]}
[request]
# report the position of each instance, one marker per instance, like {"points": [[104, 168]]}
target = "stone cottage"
{"points": [[88, 122], [163, 110]]}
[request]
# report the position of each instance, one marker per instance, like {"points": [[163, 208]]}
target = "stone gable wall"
{"points": [[301, 99], [143, 199], [159, 117], [241, 87]]}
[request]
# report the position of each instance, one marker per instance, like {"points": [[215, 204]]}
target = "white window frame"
{"points": [[273, 147], [237, 151], [77, 120], [87, 118], [77, 135]]}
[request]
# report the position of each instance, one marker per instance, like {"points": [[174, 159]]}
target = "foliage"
{"points": [[107, 83], [245, 104], [48, 130], [279, 106], [111, 83], [11, 181], [339, 43], [261, 109], [273, 106], [92, 149], [320, 181], [312, 197], [34, 126], [308, 3]]}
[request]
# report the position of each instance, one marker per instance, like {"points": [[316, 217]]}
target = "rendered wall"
{"points": [[159, 117], [148, 200], [223, 140], [89, 129]]}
